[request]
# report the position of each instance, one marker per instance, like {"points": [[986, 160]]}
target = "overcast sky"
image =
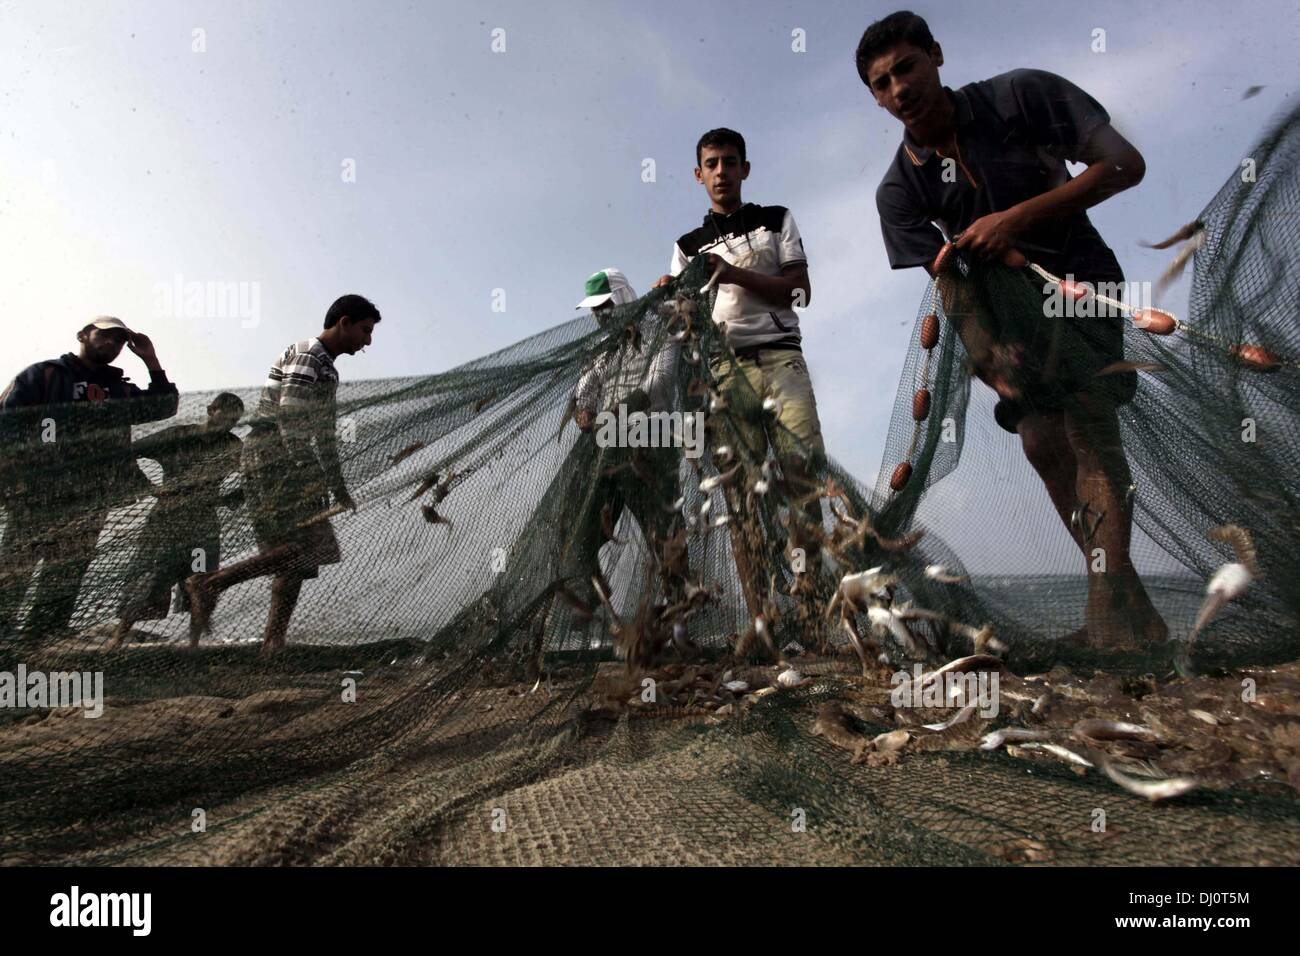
{"points": [[135, 150]]}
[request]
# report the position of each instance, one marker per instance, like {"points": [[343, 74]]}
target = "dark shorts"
{"points": [[1076, 349], [165, 558], [282, 499]]}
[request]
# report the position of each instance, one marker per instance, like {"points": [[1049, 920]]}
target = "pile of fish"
{"points": [[1158, 739], [713, 690]]}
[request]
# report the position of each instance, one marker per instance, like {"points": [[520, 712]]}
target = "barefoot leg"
{"points": [[204, 588], [203, 598], [284, 597], [119, 634], [1047, 447], [1119, 610]]}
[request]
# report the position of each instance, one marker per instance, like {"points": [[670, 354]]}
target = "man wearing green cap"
{"points": [[639, 481], [65, 426]]}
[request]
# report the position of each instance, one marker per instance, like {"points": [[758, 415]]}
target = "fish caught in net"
{"points": [[512, 595]]}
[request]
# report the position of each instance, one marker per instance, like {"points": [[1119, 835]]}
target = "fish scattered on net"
{"points": [[460, 655]]}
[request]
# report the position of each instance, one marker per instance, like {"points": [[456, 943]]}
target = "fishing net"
{"points": [[545, 644]]}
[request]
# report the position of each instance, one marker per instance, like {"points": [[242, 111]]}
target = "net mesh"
{"points": [[527, 652]]}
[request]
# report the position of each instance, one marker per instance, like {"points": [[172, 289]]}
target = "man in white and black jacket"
{"points": [[763, 278]]}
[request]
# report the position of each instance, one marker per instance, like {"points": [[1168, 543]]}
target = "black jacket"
{"points": [[65, 428]]}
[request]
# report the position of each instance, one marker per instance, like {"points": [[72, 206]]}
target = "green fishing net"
{"points": [[501, 560]]}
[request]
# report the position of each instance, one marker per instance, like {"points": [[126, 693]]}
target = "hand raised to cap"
{"points": [[142, 345]]}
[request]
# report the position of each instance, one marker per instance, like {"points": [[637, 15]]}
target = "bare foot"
{"points": [[1076, 638], [118, 638], [202, 601], [271, 647], [1120, 615]]}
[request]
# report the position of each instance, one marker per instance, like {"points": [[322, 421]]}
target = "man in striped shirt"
{"points": [[290, 468]]}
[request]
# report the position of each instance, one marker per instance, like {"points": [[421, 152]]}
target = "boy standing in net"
{"points": [[764, 275], [987, 164], [290, 468], [183, 527]]}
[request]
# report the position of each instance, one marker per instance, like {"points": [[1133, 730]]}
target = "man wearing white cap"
{"points": [[608, 286], [618, 375], [640, 481], [67, 440]]}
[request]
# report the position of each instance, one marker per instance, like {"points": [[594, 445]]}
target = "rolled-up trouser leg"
{"points": [[740, 383], [797, 440]]}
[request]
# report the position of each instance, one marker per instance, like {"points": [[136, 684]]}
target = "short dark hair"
{"points": [[720, 137], [901, 27], [356, 307], [228, 401]]}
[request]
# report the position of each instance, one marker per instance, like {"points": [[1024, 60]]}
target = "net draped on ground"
{"points": [[466, 573]]}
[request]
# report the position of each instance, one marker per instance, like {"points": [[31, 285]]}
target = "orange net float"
{"points": [[942, 260], [1255, 357], [902, 474], [1155, 321], [930, 331], [1012, 259], [1074, 290], [921, 405]]}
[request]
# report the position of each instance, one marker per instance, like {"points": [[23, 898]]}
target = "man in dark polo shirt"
{"points": [[764, 276], [984, 166]]}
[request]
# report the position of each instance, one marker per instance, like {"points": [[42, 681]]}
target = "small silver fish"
{"points": [[1014, 734], [1153, 790], [960, 717], [891, 741], [1186, 232], [1058, 751], [937, 572], [716, 481], [1097, 729], [886, 618]]}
